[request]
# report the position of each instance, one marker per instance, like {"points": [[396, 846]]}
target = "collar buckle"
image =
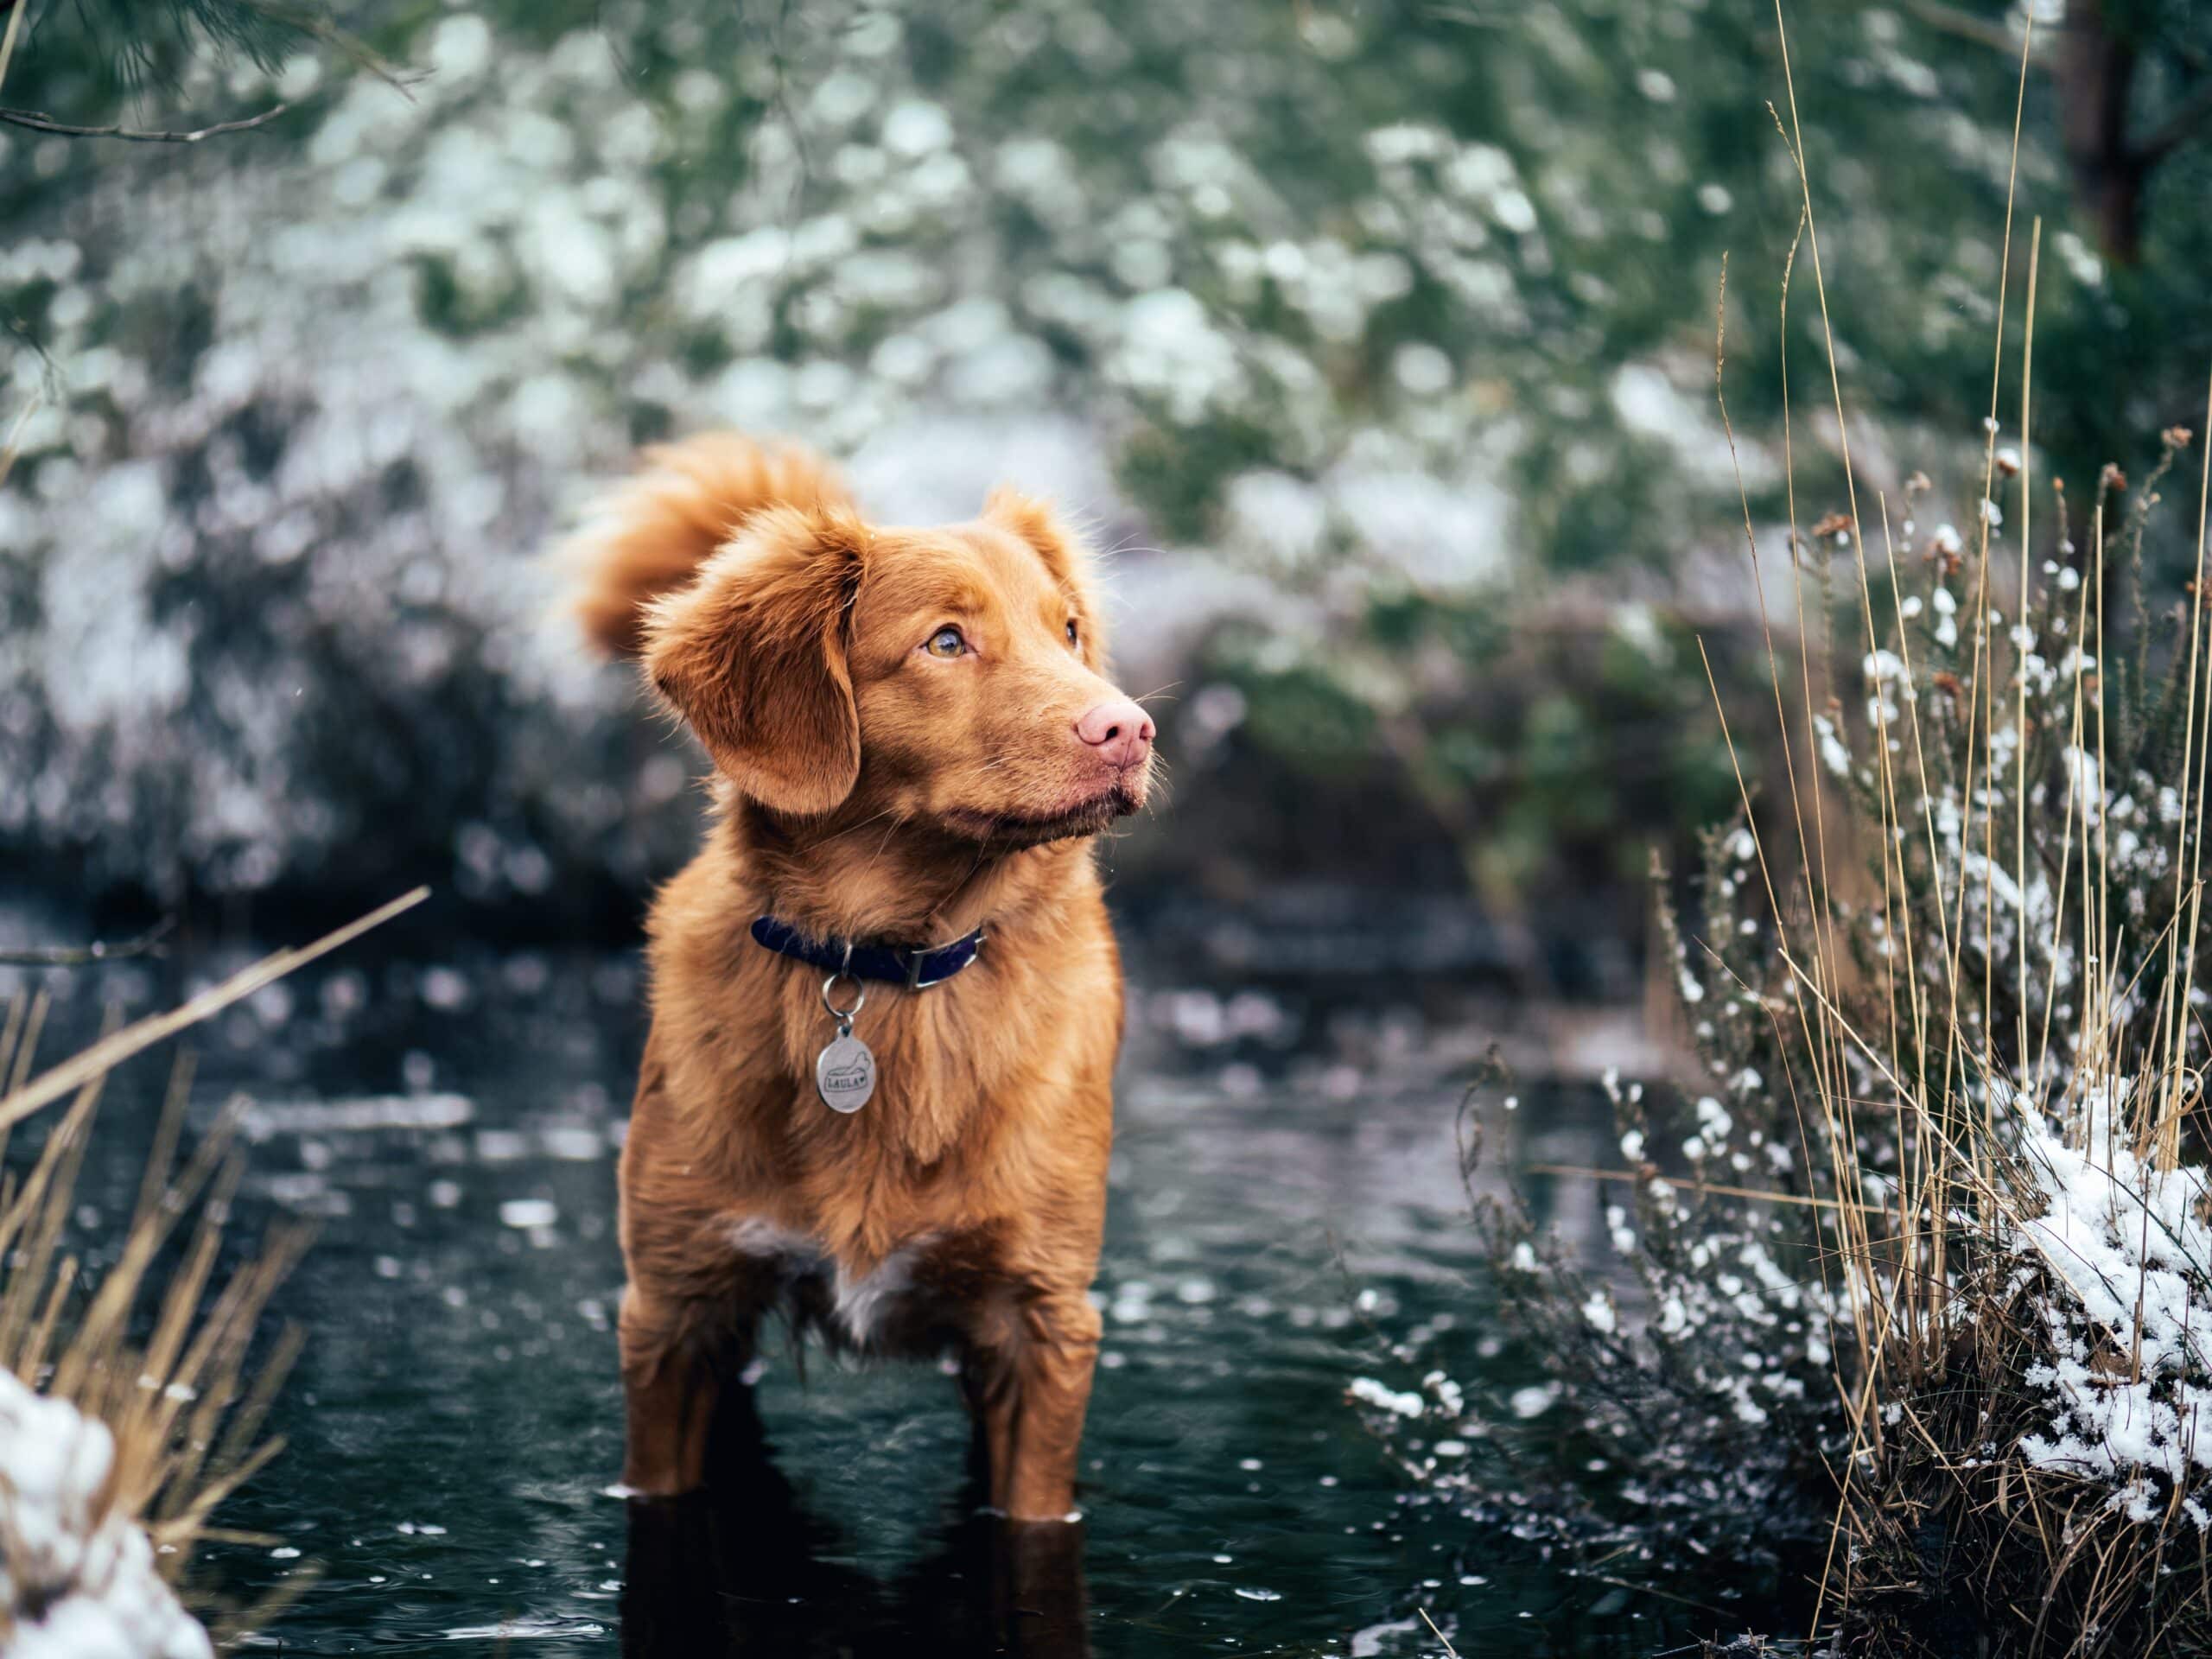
{"points": [[919, 957], [914, 966]]}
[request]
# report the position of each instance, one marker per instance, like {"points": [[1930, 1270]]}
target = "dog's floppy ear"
{"points": [[754, 655]]}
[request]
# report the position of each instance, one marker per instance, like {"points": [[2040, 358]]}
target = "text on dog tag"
{"points": [[844, 1074]]}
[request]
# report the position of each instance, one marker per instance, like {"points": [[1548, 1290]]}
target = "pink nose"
{"points": [[1118, 729]]}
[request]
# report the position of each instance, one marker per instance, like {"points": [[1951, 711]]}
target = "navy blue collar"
{"points": [[916, 967]]}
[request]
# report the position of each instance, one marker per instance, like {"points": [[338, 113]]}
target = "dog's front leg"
{"points": [[671, 1382], [1034, 1426]]}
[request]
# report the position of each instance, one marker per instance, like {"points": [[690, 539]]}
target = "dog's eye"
{"points": [[1071, 633], [945, 642]]}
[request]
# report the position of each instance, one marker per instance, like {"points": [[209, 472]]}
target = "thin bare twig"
{"points": [[1756, 1194], [1964, 25], [148, 944], [110, 1051], [38, 123]]}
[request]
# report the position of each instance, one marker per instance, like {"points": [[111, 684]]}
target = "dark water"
{"points": [[1285, 1202]]}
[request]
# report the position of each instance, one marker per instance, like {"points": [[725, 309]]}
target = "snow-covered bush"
{"points": [[1913, 1264]]}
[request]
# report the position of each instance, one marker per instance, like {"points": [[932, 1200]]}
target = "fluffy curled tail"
{"points": [[650, 535]]}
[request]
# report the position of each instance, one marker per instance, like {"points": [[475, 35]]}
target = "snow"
{"points": [[1532, 1401], [1947, 612], [80, 1578], [1368, 1391], [2129, 1264], [1833, 755], [1882, 667]]}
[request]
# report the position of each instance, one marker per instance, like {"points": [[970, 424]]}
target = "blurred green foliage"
{"points": [[1564, 753], [1560, 180], [1323, 248]]}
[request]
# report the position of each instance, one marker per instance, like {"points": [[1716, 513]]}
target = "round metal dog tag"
{"points": [[844, 1074]]}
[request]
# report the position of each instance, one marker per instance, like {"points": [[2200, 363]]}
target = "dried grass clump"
{"points": [[131, 1410], [1924, 1321], [132, 1400], [2023, 1244], [1924, 1310]]}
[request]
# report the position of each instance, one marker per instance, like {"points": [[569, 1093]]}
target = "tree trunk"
{"points": [[2095, 70]]}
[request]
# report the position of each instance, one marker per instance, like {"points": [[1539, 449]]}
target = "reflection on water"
{"points": [[1284, 1198], [745, 1568]]}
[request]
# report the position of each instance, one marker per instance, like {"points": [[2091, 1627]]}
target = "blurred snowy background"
{"points": [[1376, 341]]}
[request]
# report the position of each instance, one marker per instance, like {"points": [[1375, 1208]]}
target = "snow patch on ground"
{"points": [[2130, 1263], [79, 1579]]}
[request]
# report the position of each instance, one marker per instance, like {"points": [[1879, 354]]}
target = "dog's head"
{"points": [[952, 675]]}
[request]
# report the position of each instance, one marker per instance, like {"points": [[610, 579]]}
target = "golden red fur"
{"points": [[874, 784]]}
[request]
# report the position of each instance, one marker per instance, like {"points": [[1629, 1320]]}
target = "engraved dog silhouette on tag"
{"points": [[844, 1074]]}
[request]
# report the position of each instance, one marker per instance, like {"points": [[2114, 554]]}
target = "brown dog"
{"points": [[914, 743]]}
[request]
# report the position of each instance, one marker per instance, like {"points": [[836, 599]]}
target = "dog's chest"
{"points": [[893, 1307]]}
